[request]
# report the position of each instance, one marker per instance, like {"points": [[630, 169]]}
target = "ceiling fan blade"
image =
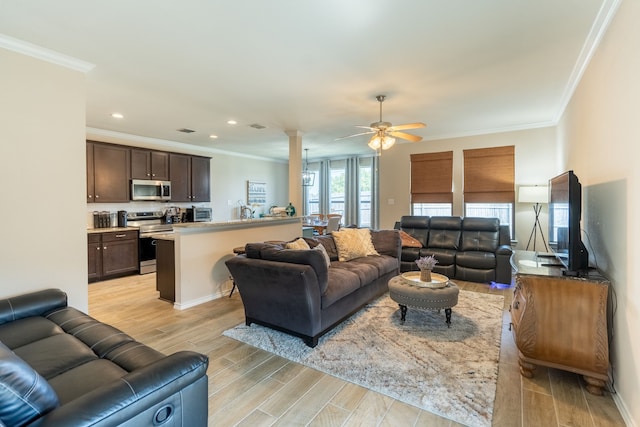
{"points": [[407, 126], [365, 127], [407, 136], [355, 134]]}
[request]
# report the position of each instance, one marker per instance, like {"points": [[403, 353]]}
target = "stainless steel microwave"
{"points": [[146, 189]]}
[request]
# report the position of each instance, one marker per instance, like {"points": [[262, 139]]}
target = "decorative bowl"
{"points": [[437, 280]]}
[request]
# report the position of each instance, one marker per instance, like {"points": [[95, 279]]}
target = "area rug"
{"points": [[451, 372]]}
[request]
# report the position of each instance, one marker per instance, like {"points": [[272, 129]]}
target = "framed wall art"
{"points": [[256, 193]]}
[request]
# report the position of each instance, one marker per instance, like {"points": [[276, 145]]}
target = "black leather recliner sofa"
{"points": [[61, 367], [474, 249]]}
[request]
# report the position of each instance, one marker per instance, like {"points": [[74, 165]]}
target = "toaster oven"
{"points": [[195, 214]]}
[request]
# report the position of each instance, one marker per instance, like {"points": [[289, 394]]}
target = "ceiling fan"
{"points": [[385, 134]]}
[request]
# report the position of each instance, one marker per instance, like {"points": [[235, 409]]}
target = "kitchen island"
{"points": [[199, 251]]}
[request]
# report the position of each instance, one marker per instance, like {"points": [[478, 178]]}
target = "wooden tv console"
{"points": [[560, 321]]}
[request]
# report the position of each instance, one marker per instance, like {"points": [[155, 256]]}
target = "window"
{"points": [[337, 187], [432, 183], [502, 211], [312, 193], [489, 176], [431, 209], [346, 187], [365, 181]]}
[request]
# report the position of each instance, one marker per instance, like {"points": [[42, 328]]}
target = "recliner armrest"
{"points": [[504, 250], [123, 399]]}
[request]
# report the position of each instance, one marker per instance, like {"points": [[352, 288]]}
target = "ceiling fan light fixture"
{"points": [[308, 177], [375, 143], [387, 142]]}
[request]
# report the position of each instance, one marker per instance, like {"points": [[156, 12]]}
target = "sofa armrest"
{"points": [[31, 304], [283, 294], [123, 399], [503, 264]]}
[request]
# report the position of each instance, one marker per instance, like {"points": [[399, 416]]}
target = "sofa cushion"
{"points": [[85, 378], [342, 282], [27, 330], [416, 226], [353, 243], [299, 243], [24, 394], [313, 258], [387, 242], [408, 241], [383, 263], [480, 234], [326, 241], [476, 259], [324, 253], [445, 232], [366, 273], [56, 354]]}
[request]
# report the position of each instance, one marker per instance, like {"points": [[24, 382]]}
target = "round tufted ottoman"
{"points": [[407, 295]]}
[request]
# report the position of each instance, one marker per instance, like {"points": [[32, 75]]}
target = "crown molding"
{"points": [[44, 54], [598, 29], [103, 135]]}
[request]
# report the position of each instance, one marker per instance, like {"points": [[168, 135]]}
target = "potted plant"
{"points": [[426, 264]]}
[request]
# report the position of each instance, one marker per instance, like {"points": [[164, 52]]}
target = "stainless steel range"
{"points": [[148, 223]]}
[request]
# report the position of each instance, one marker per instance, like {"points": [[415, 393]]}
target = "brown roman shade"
{"points": [[489, 175], [432, 177]]}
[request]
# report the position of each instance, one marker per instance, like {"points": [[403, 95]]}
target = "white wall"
{"points": [[598, 138], [533, 150], [229, 176], [42, 170]]}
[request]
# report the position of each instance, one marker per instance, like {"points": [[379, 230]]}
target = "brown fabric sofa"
{"points": [[296, 292]]}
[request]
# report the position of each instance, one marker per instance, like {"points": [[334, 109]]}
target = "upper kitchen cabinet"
{"points": [[149, 164], [190, 178], [108, 173]]}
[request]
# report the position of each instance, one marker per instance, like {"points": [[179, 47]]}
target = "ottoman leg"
{"points": [[403, 312], [447, 312]]}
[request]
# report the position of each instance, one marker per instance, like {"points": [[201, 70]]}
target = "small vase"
{"points": [[425, 275]]}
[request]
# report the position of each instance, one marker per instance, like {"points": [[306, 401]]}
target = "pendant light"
{"points": [[308, 178]]}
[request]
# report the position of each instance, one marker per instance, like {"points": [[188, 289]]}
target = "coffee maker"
{"points": [[122, 218]]}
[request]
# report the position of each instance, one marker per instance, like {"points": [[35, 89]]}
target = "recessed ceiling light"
{"points": [[213, 136], [231, 122], [117, 116]]}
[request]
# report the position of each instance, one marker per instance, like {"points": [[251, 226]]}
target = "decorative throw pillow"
{"points": [[320, 248], [24, 394], [299, 243], [408, 241], [353, 243]]}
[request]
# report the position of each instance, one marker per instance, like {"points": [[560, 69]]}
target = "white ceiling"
{"points": [[463, 67]]}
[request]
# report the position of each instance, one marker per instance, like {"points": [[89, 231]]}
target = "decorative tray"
{"points": [[437, 280]]}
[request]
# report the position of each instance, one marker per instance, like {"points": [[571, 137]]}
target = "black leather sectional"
{"points": [[61, 367], [473, 249]]}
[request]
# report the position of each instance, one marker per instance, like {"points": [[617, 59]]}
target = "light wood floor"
{"points": [[250, 387]]}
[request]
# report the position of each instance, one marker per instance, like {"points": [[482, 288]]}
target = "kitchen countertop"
{"points": [[186, 227], [110, 229]]}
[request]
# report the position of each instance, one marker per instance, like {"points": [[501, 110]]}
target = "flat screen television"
{"points": [[565, 211]]}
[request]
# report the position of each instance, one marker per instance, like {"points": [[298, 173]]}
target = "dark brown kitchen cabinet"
{"points": [[190, 178], [166, 270], [149, 164], [108, 173], [94, 250], [112, 254]]}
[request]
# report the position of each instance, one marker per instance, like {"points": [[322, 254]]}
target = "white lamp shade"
{"points": [[533, 194]]}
